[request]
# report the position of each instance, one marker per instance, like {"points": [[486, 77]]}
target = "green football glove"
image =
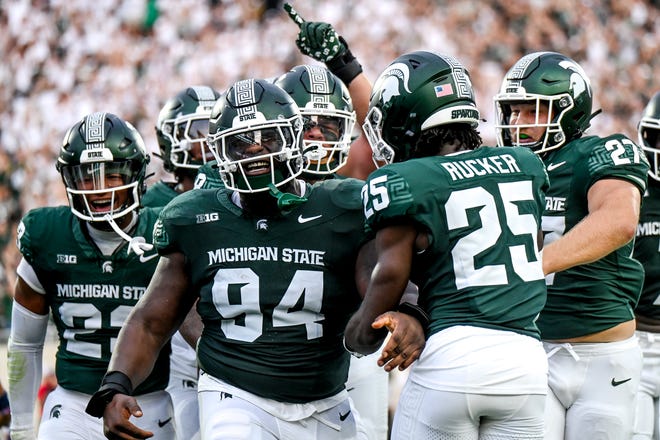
{"points": [[316, 39], [320, 41]]}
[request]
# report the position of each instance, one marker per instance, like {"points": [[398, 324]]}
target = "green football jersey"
{"points": [[275, 293], [482, 212], [159, 194], [89, 294], [647, 251], [592, 297]]}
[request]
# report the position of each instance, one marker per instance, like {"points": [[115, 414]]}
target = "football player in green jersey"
{"points": [[181, 130], [463, 224], [329, 118], [77, 266], [327, 110], [272, 260], [590, 217], [647, 251]]}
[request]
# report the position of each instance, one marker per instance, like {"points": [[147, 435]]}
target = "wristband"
{"points": [[114, 382], [416, 312], [345, 66], [353, 353]]}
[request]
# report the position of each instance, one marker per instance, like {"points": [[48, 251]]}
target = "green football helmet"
{"points": [[417, 91], [328, 115], [182, 128], [648, 132], [103, 155], [546, 78], [252, 115]]}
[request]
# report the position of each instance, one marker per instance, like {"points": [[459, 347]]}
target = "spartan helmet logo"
{"points": [[579, 79], [390, 81], [107, 267]]}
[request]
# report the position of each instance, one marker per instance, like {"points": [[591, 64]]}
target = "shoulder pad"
{"points": [[345, 193], [35, 227]]}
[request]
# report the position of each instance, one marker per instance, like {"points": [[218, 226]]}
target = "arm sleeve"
{"points": [[24, 358]]}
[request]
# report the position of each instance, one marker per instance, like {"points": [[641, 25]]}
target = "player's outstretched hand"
{"points": [[316, 39], [406, 342]]}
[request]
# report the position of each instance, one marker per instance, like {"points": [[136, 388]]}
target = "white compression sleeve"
{"points": [[24, 358]]}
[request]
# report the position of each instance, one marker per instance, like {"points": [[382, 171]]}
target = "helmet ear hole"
{"points": [[125, 143]]}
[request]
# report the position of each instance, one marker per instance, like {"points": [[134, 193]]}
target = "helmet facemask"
{"points": [[329, 153], [510, 134], [281, 157], [97, 190], [188, 137], [648, 136], [381, 153]]}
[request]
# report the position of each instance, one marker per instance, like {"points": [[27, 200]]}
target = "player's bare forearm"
{"points": [[614, 207], [154, 319], [191, 327], [360, 91], [383, 295], [389, 278], [360, 162]]}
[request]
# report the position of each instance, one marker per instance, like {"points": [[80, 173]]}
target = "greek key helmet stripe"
{"points": [[244, 95], [94, 133]]}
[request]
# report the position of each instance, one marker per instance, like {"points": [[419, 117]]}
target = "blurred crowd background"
{"points": [[62, 59]]}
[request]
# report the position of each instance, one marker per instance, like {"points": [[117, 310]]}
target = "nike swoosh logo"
{"points": [[302, 219], [164, 422], [553, 166], [616, 383], [144, 259], [342, 417]]}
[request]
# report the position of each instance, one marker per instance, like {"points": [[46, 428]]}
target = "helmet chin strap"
{"points": [[285, 200], [137, 244]]}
